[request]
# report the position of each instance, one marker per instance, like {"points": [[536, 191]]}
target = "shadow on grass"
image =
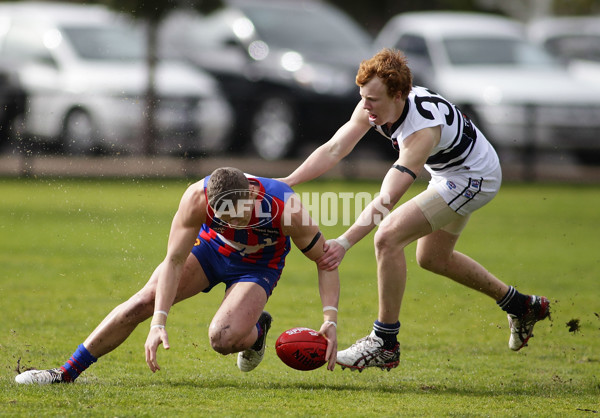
{"points": [[391, 386]]}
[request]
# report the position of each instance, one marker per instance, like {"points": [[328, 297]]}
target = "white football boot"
{"points": [[41, 377], [369, 352], [521, 328], [248, 359]]}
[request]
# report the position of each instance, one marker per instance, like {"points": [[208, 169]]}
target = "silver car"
{"points": [[517, 93], [84, 71], [573, 39]]}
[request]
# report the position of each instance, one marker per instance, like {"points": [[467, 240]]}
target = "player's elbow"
{"points": [[385, 202], [175, 260], [335, 150]]}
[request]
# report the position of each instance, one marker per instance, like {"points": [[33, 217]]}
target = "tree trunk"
{"points": [[149, 130]]}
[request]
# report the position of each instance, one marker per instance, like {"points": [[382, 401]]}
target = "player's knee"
{"points": [[138, 308], [385, 241], [223, 340], [431, 262], [380, 240]]}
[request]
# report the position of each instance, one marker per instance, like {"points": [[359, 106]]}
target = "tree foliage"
{"points": [[374, 14], [155, 10]]}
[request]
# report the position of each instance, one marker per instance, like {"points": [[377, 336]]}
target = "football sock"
{"points": [[388, 333], [513, 302], [79, 361], [258, 343]]}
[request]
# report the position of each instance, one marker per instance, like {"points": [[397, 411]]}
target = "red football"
{"points": [[301, 348]]}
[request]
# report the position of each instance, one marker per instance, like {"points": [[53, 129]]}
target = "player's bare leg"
{"points": [[121, 322], [241, 325], [233, 327], [381, 348], [403, 226], [435, 252], [116, 327]]}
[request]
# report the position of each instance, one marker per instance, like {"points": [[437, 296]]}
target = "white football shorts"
{"points": [[449, 201]]}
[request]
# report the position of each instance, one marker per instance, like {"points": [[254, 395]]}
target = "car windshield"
{"points": [[463, 51], [584, 47], [308, 30], [106, 43]]}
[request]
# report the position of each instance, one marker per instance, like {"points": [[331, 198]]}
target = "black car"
{"points": [[287, 67]]}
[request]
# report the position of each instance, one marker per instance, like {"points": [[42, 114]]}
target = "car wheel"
{"points": [[273, 124], [78, 133]]}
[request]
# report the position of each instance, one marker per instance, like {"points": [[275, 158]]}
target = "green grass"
{"points": [[71, 250]]}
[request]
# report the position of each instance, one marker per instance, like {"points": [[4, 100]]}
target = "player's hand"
{"points": [[284, 180], [334, 253], [155, 337], [329, 331]]}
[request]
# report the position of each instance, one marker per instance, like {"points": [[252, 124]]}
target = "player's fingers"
{"points": [[148, 358], [325, 257], [155, 365], [331, 259], [333, 266], [329, 266], [331, 337], [331, 355], [165, 342], [151, 359]]}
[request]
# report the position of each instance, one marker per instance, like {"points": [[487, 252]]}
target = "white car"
{"points": [[516, 93], [84, 71], [573, 39]]}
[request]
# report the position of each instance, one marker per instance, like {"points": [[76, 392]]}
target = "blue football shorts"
{"points": [[221, 269]]}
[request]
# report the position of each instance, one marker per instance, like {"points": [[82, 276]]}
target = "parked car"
{"points": [[287, 67], [573, 39], [517, 93], [84, 70]]}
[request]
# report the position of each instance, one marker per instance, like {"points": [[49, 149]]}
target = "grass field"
{"points": [[70, 250]]}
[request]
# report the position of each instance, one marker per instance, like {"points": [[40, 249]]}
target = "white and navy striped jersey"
{"points": [[462, 146]]}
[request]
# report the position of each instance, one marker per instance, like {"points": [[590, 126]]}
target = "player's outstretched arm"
{"points": [[186, 224], [307, 237], [413, 155]]}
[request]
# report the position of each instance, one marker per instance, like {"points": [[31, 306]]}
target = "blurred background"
{"points": [[122, 85]]}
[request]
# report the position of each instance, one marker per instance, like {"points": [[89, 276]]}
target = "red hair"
{"points": [[390, 65]]}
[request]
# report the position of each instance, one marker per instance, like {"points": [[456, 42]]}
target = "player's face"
{"points": [[236, 214], [380, 107], [239, 219]]}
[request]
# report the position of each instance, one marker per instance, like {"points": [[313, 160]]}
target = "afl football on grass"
{"points": [[301, 348]]}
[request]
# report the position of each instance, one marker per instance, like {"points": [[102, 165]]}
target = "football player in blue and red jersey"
{"points": [[230, 228]]}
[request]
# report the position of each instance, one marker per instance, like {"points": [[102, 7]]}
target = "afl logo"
{"points": [[259, 207], [450, 185]]}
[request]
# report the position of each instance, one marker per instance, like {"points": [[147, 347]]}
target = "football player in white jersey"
{"points": [[428, 132]]}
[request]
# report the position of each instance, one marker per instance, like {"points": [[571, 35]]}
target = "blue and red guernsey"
{"points": [[262, 242]]}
